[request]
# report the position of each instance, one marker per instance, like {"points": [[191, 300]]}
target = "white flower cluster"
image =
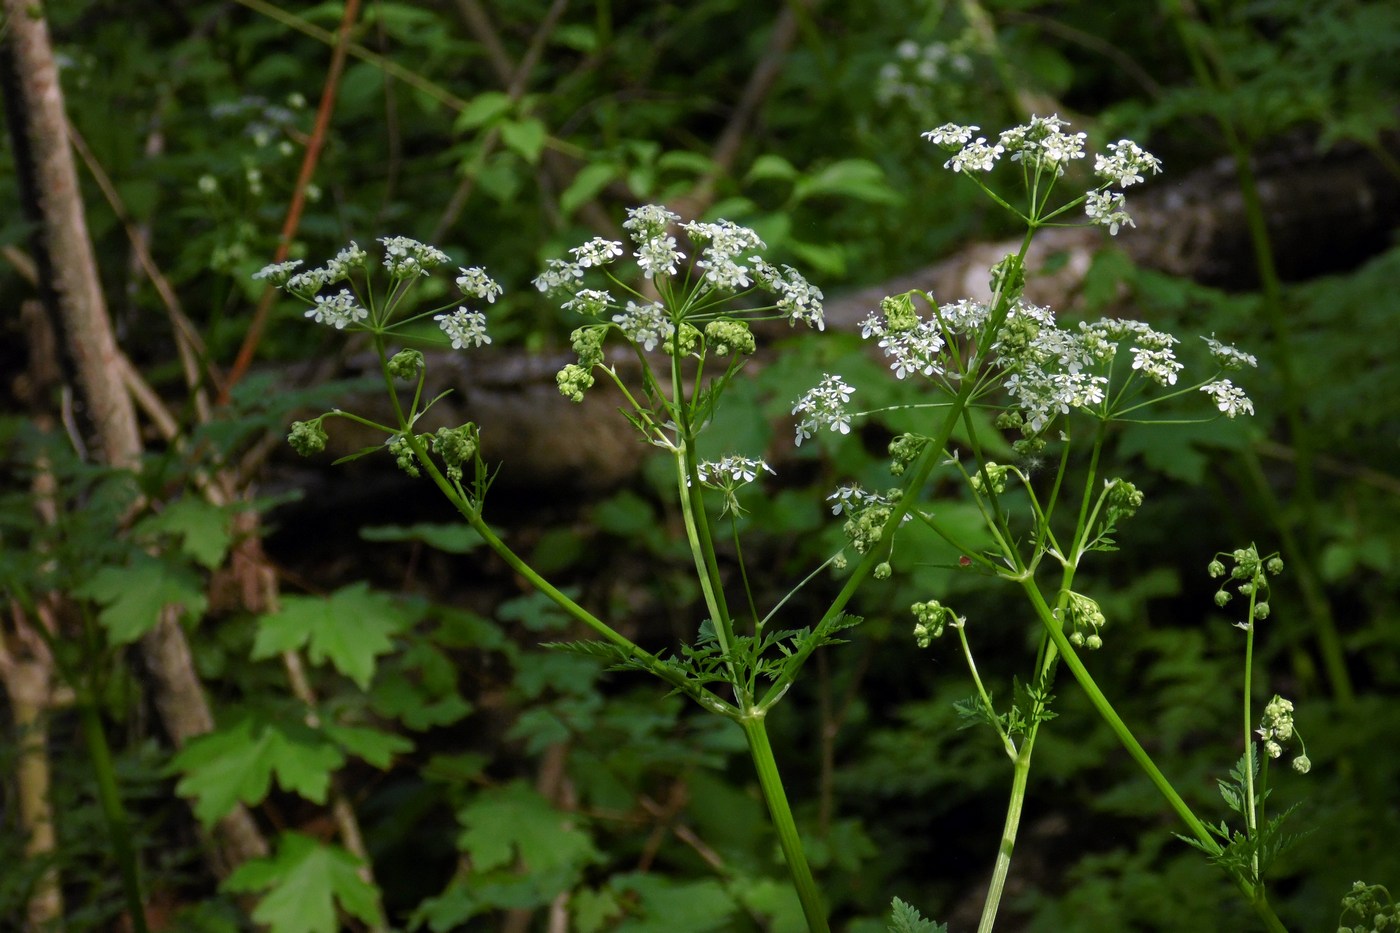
{"points": [[853, 498], [823, 406], [337, 310], [1043, 145], [1052, 371], [477, 284], [1124, 163], [731, 470], [1229, 398], [799, 300], [720, 259], [406, 258], [464, 327], [915, 345], [646, 325], [725, 256]]}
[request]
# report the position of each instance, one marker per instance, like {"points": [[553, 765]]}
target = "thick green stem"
{"points": [[775, 797], [113, 812], [1021, 775]]}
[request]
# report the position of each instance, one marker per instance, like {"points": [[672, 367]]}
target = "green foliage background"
{"points": [[439, 712]]}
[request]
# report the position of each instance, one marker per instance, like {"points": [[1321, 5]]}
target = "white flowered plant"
{"points": [[680, 300]]}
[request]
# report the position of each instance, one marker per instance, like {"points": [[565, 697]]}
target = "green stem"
{"points": [[771, 784], [1253, 893], [113, 812], [1021, 775]]}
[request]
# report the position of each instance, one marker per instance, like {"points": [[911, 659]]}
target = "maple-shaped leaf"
{"points": [[514, 821], [203, 529], [305, 882], [350, 628], [237, 763], [133, 596]]}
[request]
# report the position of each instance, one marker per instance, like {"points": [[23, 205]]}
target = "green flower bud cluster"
{"points": [[899, 313], [725, 337], [991, 471], [932, 617], [686, 338], [406, 364], [1124, 499], [573, 381], [864, 527], [1276, 729], [1368, 908], [308, 437], [456, 446], [1250, 577], [1086, 618], [904, 450], [403, 454]]}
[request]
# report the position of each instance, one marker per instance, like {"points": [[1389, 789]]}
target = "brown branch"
{"points": [[293, 219]]}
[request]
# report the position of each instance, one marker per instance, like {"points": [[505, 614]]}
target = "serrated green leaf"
{"points": [[351, 628], [397, 696], [905, 918], [305, 882], [375, 746], [203, 529], [513, 822], [133, 596], [704, 905], [238, 763]]}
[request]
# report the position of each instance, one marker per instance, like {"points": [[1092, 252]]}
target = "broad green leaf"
{"points": [[350, 628], [526, 138], [305, 881], [397, 696], [590, 180], [593, 909], [203, 529], [860, 179], [483, 109], [238, 763], [452, 538], [770, 166], [133, 596], [691, 163], [666, 905], [512, 822]]}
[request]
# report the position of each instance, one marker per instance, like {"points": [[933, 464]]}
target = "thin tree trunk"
{"points": [[43, 155]]}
